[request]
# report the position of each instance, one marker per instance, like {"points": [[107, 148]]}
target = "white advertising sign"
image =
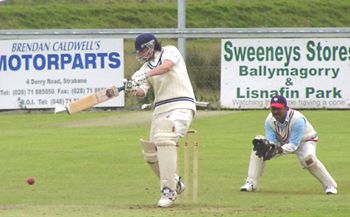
{"points": [[40, 73], [310, 73]]}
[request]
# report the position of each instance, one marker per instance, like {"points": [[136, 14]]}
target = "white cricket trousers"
{"points": [[182, 119]]}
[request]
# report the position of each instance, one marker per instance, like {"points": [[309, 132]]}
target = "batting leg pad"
{"points": [[165, 140], [256, 168], [317, 169], [150, 155]]}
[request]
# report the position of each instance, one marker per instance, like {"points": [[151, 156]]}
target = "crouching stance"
{"points": [[287, 132]]}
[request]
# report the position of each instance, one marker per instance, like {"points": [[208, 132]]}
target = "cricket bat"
{"points": [[90, 100]]}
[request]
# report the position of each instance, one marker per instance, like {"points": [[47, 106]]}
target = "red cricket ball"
{"points": [[30, 180]]}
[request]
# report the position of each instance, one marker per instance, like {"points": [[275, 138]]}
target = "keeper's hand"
{"points": [[264, 149], [270, 152]]}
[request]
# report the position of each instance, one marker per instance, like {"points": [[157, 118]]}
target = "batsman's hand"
{"points": [[130, 87], [140, 77], [111, 93]]}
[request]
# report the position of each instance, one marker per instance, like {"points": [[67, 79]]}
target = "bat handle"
{"points": [[121, 88]]}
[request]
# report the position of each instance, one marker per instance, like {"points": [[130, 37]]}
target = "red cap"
{"points": [[278, 102]]}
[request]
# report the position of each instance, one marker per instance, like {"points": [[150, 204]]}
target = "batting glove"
{"points": [[130, 87], [140, 77], [111, 93]]}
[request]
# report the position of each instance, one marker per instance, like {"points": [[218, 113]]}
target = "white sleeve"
{"points": [[288, 148], [171, 53]]}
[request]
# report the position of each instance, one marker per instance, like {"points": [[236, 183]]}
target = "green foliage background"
{"points": [[48, 14]]}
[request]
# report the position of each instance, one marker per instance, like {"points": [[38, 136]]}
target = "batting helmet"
{"points": [[144, 46]]}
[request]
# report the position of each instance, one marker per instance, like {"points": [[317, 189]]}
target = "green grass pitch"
{"points": [[90, 164]]}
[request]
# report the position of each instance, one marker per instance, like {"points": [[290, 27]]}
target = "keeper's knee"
{"points": [[317, 169], [165, 134], [149, 151], [309, 161]]}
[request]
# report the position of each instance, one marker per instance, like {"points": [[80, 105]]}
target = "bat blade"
{"points": [[93, 99]]}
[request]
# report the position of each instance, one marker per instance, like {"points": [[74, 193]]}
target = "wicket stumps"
{"points": [[191, 137]]}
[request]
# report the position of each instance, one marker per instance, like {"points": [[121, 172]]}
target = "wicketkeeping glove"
{"points": [[263, 148], [270, 152]]}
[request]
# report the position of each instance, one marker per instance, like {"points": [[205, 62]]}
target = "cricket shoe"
{"points": [[248, 186], [167, 197], [180, 186], [331, 190]]}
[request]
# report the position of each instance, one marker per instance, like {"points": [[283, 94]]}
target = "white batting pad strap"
{"points": [[317, 169], [149, 151], [165, 139], [256, 167], [148, 146], [150, 157]]}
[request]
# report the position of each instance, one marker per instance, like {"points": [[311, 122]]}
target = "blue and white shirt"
{"points": [[295, 130]]}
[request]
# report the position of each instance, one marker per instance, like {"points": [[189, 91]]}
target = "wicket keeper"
{"points": [[287, 131]]}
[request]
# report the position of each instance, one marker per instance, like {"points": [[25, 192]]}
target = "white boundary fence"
{"points": [[175, 33]]}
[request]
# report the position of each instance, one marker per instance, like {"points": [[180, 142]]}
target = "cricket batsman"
{"points": [[287, 131], [164, 69]]}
